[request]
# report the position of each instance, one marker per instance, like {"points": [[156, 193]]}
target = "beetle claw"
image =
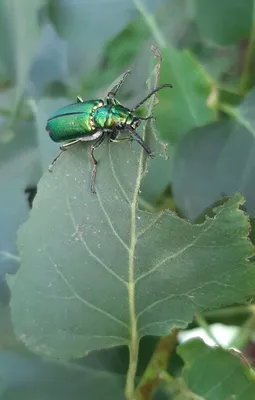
{"points": [[79, 99]]}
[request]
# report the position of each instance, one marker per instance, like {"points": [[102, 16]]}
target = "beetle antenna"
{"points": [[150, 94], [146, 118]]}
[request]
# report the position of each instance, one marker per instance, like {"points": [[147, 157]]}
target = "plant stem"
{"points": [[133, 359], [236, 315], [157, 366], [150, 20], [134, 340], [179, 386], [226, 312], [134, 337], [245, 79], [243, 336]]}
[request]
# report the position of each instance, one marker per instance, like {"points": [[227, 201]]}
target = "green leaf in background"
{"points": [[157, 180], [27, 377], [191, 87], [7, 337], [18, 168], [185, 107], [224, 22], [119, 53], [19, 32], [41, 111], [78, 22], [215, 373], [217, 160], [218, 62], [245, 112]]}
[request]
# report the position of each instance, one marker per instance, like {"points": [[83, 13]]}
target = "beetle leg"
{"points": [[95, 135], [79, 99], [54, 160], [94, 161], [121, 139], [62, 149], [115, 134], [110, 98], [139, 140]]}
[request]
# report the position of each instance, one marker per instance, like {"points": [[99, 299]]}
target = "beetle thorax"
{"points": [[112, 117]]}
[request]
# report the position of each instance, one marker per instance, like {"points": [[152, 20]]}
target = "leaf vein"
{"points": [[173, 256], [173, 321], [188, 294], [109, 336], [116, 178], [111, 225], [83, 241], [158, 302], [150, 225], [78, 297], [219, 383]]}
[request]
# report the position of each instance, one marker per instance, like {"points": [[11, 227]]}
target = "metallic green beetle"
{"points": [[94, 120]]}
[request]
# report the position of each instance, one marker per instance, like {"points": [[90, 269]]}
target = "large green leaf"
{"points": [[217, 159], [214, 373], [97, 272], [224, 22]]}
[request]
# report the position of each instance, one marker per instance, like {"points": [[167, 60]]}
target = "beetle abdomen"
{"points": [[73, 121], [69, 127]]}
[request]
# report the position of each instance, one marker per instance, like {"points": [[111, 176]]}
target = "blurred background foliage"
{"points": [[53, 50]]}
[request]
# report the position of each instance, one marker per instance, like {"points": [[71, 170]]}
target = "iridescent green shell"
{"points": [[73, 121]]}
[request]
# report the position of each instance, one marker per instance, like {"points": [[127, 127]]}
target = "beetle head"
{"points": [[135, 123]]}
